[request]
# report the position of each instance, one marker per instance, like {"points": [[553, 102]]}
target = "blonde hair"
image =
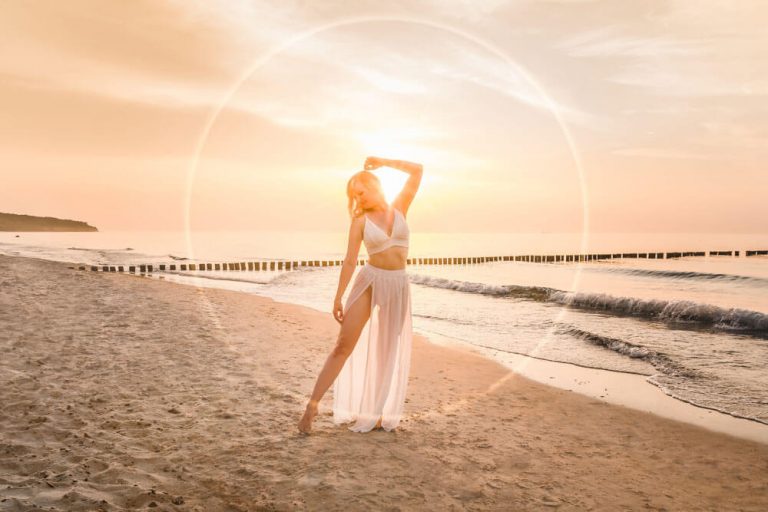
{"points": [[368, 180]]}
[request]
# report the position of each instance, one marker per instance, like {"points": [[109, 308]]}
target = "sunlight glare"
{"points": [[391, 181], [389, 143]]}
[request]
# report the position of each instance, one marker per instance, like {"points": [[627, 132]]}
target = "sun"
{"points": [[392, 182], [387, 142]]}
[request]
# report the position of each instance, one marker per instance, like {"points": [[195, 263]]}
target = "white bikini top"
{"points": [[376, 240]]}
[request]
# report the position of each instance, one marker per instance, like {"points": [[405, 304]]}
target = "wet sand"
{"points": [[121, 392]]}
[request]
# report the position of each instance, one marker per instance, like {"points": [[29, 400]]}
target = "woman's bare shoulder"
{"points": [[357, 222]]}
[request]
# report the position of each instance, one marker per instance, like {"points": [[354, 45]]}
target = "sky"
{"points": [[528, 116]]}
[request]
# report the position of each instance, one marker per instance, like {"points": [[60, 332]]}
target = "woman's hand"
{"points": [[374, 162], [338, 310]]}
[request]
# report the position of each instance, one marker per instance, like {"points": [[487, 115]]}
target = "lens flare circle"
{"points": [[265, 57]]}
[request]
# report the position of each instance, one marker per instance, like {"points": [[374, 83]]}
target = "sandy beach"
{"points": [[122, 392]]}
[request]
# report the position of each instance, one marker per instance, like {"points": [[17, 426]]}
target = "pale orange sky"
{"points": [[102, 105]]}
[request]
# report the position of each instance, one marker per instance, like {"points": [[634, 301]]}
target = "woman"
{"points": [[373, 374]]}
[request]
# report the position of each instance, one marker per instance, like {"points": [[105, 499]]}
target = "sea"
{"points": [[696, 327]]}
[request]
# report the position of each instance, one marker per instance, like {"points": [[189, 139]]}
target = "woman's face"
{"points": [[365, 198]]}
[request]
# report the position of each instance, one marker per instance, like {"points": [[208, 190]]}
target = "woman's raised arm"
{"points": [[405, 197]]}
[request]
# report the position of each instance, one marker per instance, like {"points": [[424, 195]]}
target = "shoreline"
{"points": [[613, 387], [627, 390], [121, 392]]}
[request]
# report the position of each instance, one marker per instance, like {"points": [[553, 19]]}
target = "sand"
{"points": [[123, 392]]}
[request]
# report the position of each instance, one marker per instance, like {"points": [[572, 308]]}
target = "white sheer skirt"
{"points": [[373, 381]]}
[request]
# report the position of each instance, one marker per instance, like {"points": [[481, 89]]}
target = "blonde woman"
{"points": [[370, 362]]}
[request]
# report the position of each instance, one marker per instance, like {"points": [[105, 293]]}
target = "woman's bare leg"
{"points": [[351, 326]]}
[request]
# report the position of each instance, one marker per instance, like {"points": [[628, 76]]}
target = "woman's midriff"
{"points": [[392, 258]]}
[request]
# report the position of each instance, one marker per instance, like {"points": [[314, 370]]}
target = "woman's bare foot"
{"points": [[305, 424], [378, 423]]}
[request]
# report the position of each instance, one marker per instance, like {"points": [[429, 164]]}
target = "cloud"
{"points": [[682, 49], [187, 55], [691, 79], [598, 43], [389, 83], [660, 153], [142, 52]]}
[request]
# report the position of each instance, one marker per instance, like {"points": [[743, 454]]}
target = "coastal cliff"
{"points": [[14, 222]]}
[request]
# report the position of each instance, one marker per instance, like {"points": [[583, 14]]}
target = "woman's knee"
{"points": [[348, 337], [344, 346]]}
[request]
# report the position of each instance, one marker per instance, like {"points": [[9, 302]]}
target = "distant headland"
{"points": [[13, 222]]}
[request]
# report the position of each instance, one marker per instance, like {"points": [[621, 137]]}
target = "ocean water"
{"points": [[696, 327]]}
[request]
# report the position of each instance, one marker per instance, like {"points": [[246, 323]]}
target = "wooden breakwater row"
{"points": [[291, 265]]}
